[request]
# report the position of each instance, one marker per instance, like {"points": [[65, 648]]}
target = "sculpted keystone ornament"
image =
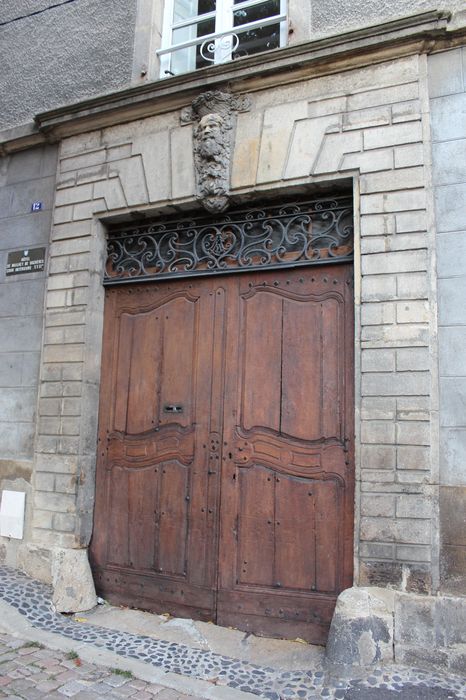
{"points": [[212, 161], [214, 113]]}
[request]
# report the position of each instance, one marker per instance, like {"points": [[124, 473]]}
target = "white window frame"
{"points": [[224, 29]]}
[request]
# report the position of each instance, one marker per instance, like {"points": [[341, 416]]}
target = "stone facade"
{"points": [[379, 127], [25, 178], [365, 125], [448, 113]]}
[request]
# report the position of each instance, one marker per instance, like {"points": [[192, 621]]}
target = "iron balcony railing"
{"points": [[218, 47]]}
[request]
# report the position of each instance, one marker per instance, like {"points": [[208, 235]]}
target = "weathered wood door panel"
{"points": [[224, 480], [155, 539], [286, 516]]}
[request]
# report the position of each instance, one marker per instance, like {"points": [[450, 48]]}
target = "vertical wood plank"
{"points": [[331, 360], [142, 498], [123, 364], [261, 354], [301, 376], [118, 518], [178, 361], [327, 540], [173, 522], [144, 373], [255, 562], [295, 533]]}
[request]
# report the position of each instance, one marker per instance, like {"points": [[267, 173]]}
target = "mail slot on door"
{"points": [[173, 408]]}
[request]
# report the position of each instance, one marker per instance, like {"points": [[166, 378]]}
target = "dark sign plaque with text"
{"points": [[28, 260]]}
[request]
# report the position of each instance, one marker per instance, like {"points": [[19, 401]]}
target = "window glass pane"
{"points": [[184, 60], [256, 12], [262, 38], [256, 40], [186, 9], [193, 31], [190, 58]]}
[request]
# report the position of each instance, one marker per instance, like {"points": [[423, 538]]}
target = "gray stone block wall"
{"points": [[25, 177], [62, 55], [431, 631], [447, 86]]}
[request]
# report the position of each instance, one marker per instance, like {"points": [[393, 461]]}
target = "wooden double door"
{"points": [[224, 485]]}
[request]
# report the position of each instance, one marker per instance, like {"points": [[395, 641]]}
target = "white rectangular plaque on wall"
{"points": [[12, 514]]}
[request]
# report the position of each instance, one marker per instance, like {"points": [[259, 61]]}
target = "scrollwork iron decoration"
{"points": [[290, 235], [219, 50]]}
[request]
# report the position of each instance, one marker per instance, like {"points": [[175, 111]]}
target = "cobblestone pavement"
{"points": [[29, 671], [32, 600]]}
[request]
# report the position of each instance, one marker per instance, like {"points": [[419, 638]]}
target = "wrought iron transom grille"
{"points": [[300, 233]]}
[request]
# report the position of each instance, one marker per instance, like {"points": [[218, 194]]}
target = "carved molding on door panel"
{"points": [[277, 452], [141, 309], [153, 447], [272, 289]]}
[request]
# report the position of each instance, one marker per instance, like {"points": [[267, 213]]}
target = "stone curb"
{"points": [[16, 625]]}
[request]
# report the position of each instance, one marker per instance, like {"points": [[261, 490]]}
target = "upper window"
{"points": [[198, 33]]}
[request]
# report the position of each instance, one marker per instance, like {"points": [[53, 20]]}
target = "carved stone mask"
{"points": [[214, 114]]}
